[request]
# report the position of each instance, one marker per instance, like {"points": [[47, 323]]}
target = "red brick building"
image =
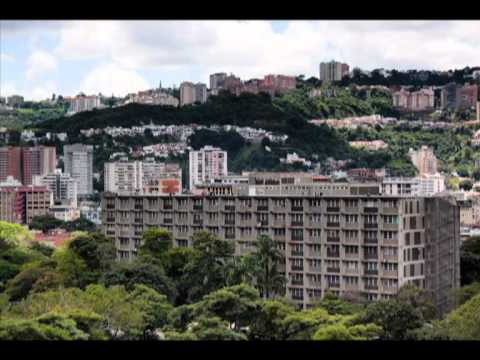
{"points": [[20, 204]]}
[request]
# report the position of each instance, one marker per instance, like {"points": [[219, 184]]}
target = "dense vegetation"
{"points": [[79, 292], [452, 147]]}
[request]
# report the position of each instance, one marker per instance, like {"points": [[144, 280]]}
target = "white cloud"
{"points": [[7, 88], [253, 48], [39, 63], [6, 58], [112, 79], [42, 91]]}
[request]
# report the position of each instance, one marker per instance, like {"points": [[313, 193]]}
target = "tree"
{"points": [[461, 324], [466, 185], [336, 306], [156, 242], [344, 332], [208, 270], [44, 249], [176, 261], [396, 318], [420, 299], [45, 223], [465, 293], [470, 260], [153, 305], [73, 269], [266, 259], [95, 249], [238, 305], [13, 234], [146, 273], [20, 286], [46, 327]]}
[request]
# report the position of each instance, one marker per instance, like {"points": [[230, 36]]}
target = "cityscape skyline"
{"points": [[39, 58]]}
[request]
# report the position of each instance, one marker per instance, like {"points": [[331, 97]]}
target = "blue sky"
{"points": [[39, 58]]}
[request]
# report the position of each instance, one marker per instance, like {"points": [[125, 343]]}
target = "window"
{"points": [[390, 266]]}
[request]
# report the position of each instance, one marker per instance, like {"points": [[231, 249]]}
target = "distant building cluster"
{"points": [[152, 97], [22, 163], [373, 145], [420, 100], [82, 103], [270, 84], [147, 176]]}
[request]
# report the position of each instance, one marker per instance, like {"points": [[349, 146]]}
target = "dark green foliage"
{"points": [[470, 260], [42, 248], [132, 274], [397, 318], [45, 223], [156, 242], [95, 249]]}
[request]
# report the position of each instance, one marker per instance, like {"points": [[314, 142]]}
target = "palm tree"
{"points": [[266, 259]]}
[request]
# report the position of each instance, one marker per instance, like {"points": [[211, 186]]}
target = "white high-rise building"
{"points": [[123, 176], [191, 93], [78, 160], [84, 103], [61, 185], [136, 176], [206, 164]]}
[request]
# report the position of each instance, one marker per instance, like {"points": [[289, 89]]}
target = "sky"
{"points": [[39, 58]]}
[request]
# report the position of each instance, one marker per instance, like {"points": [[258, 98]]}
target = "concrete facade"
{"points": [[341, 237]]}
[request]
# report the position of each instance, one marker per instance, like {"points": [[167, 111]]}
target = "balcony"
{"points": [[297, 267], [370, 226], [333, 254], [371, 256], [111, 220], [371, 287], [390, 210], [230, 236], [351, 255], [198, 207], [333, 208], [262, 223], [333, 224], [297, 223], [390, 242], [370, 241], [168, 221], [297, 253], [370, 271], [334, 239], [167, 206], [351, 209], [197, 221], [297, 281], [390, 257], [262, 208], [333, 269], [230, 222], [333, 285], [370, 210], [230, 208], [278, 223], [390, 273], [388, 226], [297, 208]]}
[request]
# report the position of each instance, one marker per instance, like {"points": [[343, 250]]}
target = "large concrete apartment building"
{"points": [[340, 237]]}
